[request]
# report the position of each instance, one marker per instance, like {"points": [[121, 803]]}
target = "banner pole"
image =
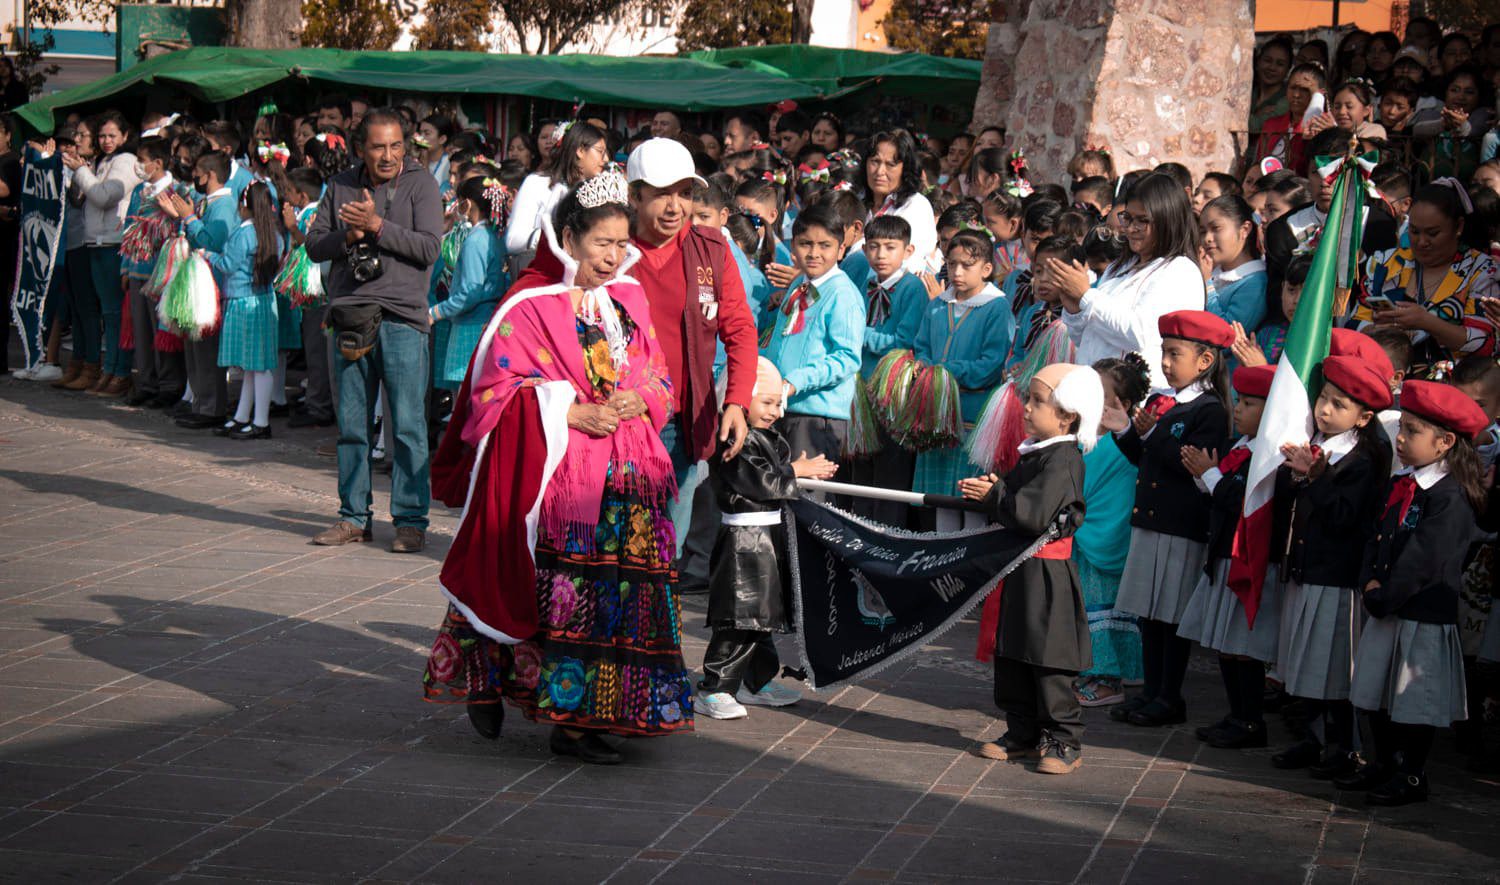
{"points": [[915, 499]]}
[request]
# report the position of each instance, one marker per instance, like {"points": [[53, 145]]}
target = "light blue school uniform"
{"points": [[1239, 295], [783, 252], [479, 279], [822, 359], [897, 329], [856, 266], [240, 178], [970, 339], [248, 336], [217, 219]]}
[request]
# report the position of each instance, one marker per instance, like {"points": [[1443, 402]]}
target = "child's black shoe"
{"points": [[1058, 758], [1240, 735], [1121, 712], [1403, 789]]}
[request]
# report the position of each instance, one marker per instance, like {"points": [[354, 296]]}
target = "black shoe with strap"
{"points": [[1240, 734], [1204, 732], [1403, 789], [1336, 762], [1368, 777]]}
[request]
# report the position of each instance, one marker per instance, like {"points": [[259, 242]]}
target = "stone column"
{"points": [[1152, 80], [998, 78]]}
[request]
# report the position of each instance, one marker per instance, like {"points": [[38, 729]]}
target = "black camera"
{"points": [[364, 262]]}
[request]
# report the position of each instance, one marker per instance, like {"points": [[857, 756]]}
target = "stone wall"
{"points": [[1152, 80], [1002, 44]]}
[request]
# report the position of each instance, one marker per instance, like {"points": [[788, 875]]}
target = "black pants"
{"points": [[1036, 700], [206, 377], [890, 468], [739, 657], [156, 372], [816, 436], [693, 566], [318, 348]]}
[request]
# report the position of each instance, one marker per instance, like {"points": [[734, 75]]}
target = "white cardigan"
{"points": [[537, 197], [918, 213], [1120, 314]]}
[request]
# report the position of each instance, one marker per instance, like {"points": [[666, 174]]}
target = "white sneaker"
{"points": [[46, 372], [718, 705], [772, 694], [24, 374]]}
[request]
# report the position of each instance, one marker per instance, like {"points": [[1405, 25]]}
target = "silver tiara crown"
{"points": [[607, 187]]}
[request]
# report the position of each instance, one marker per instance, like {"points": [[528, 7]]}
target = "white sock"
{"points": [[187, 392], [247, 399], [263, 383]]}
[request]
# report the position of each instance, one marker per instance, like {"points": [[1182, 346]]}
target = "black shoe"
{"points": [[250, 431], [1367, 777], [1240, 735], [164, 400], [487, 719], [1403, 789], [139, 398], [228, 428], [1121, 712], [588, 747], [1158, 713], [1335, 763], [1204, 732], [280, 410], [181, 409], [304, 418], [200, 422], [1299, 755]]}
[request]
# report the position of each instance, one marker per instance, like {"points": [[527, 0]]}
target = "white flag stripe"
{"points": [[1287, 419]]}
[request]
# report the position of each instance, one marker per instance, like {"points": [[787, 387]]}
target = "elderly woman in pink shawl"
{"points": [[562, 598]]}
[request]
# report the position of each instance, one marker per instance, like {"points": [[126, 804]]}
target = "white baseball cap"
{"points": [[661, 162]]}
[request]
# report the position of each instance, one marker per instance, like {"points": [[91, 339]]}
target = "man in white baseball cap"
{"points": [[696, 296]]}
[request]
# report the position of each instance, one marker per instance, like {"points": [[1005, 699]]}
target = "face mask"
{"points": [[140, 170]]}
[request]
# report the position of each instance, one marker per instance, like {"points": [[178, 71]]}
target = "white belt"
{"points": [[767, 517]]}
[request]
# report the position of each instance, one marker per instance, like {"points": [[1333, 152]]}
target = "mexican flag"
{"points": [[1288, 414]]}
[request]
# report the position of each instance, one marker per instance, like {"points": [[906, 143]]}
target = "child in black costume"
{"points": [[1042, 638], [749, 582]]}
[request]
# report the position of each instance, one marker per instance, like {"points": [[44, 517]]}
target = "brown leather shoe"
{"points": [[105, 380], [118, 386], [75, 369], [86, 379], [409, 539], [343, 532]]}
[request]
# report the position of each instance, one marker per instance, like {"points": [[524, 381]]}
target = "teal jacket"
{"points": [[479, 278], [234, 265], [899, 330], [216, 220], [822, 359], [970, 342]]}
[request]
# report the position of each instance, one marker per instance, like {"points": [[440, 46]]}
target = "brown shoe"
{"points": [[85, 380], [409, 539], [1005, 751], [75, 369], [105, 380], [343, 532], [118, 386], [1059, 759]]}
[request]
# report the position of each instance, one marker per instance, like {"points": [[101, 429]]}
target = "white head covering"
{"points": [[1077, 389]]}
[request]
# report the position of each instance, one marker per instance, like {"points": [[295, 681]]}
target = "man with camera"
{"points": [[380, 224]]}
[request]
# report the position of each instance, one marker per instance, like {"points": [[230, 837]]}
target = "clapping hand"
{"points": [[977, 488], [1300, 458], [1198, 461], [780, 275], [1245, 349], [360, 214], [1143, 421], [814, 468], [174, 204]]}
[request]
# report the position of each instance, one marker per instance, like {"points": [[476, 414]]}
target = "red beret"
{"points": [[1355, 377], [1254, 380], [1347, 342], [1444, 405], [1196, 325]]}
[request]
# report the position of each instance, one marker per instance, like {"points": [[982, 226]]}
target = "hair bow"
{"points": [[267, 152], [267, 108], [1458, 188], [1096, 148], [1441, 369], [821, 172], [844, 186], [332, 140], [1018, 162], [775, 176], [973, 228], [760, 146], [755, 220], [419, 141], [500, 198], [560, 130]]}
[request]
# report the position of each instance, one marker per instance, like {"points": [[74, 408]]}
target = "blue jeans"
{"points": [[400, 360], [104, 268], [688, 478]]}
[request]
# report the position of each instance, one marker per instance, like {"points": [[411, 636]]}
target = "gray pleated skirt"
{"points": [[1413, 671], [1160, 574], [1319, 630], [1215, 619], [1489, 644]]}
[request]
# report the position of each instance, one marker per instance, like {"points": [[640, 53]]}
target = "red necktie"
{"points": [[1402, 492], [1234, 460], [1159, 405], [795, 307]]}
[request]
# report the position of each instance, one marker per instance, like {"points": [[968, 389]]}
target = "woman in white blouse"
{"points": [[1158, 274], [582, 154], [893, 186]]}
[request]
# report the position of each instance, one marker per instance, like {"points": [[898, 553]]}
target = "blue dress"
{"points": [[248, 335], [1099, 549], [479, 279], [970, 341]]}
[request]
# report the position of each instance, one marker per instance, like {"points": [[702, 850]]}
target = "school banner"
{"points": [[42, 208], [867, 596]]}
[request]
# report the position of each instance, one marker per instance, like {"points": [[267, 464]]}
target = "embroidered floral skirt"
{"points": [[608, 656]]}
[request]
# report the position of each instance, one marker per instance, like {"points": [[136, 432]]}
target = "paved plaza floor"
{"points": [[191, 692]]}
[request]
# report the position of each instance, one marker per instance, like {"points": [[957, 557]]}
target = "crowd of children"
{"points": [[1088, 358]]}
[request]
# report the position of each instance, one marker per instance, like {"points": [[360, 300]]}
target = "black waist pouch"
{"points": [[355, 328]]}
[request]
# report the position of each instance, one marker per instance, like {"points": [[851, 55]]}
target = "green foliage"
{"points": [[349, 24], [545, 27], [454, 25], [953, 28], [714, 24]]}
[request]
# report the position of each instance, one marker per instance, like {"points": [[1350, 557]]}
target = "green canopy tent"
{"points": [[216, 74], [840, 72]]}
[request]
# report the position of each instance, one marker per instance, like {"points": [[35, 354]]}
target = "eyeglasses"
{"points": [[1128, 221]]}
